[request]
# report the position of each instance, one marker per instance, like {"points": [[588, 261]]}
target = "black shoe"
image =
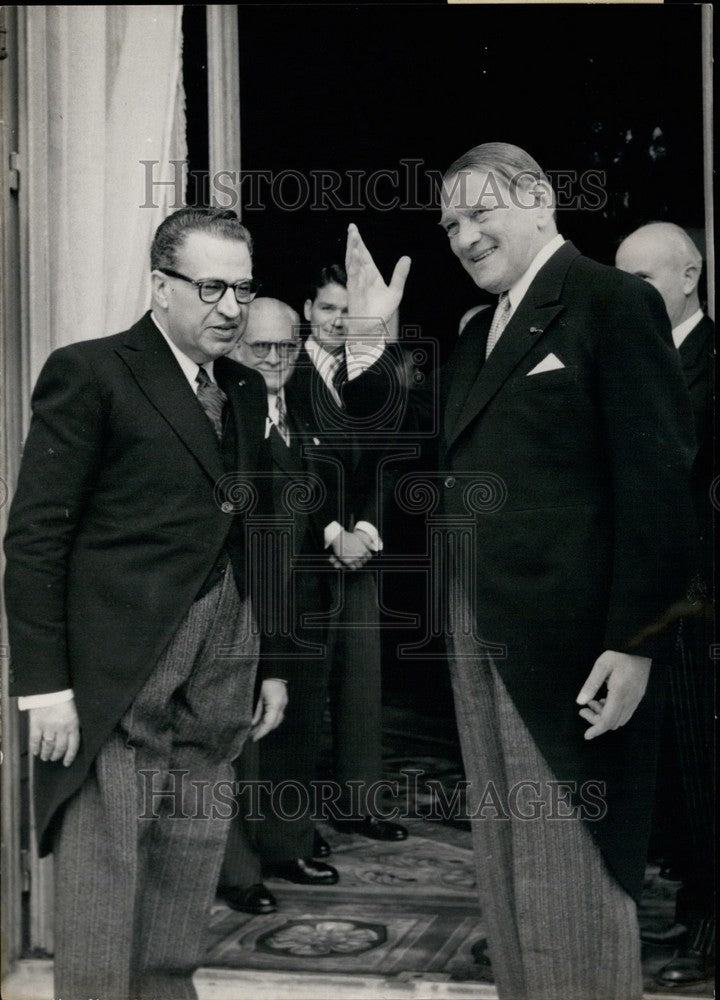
{"points": [[305, 872], [369, 826], [479, 952], [321, 848], [249, 898], [693, 963]]}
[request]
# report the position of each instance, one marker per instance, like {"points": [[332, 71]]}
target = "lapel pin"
{"points": [[536, 329], [316, 441], [241, 382]]}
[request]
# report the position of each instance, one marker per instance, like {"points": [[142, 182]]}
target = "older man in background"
{"points": [[665, 256]]}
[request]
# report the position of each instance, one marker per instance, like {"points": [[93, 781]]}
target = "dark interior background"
{"points": [[363, 87], [340, 87]]}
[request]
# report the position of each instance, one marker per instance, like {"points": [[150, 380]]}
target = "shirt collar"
{"points": [[189, 367], [684, 329], [517, 291]]}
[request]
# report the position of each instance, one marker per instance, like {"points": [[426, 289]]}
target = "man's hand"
{"points": [[351, 549], [626, 678], [371, 303], [270, 709], [55, 732]]}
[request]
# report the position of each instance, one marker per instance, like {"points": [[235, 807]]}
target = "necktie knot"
{"points": [[211, 398], [499, 322]]}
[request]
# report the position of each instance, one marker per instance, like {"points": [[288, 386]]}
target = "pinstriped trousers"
{"points": [[559, 926], [139, 850]]}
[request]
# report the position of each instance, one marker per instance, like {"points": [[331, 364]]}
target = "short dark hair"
{"points": [[173, 231], [328, 274]]}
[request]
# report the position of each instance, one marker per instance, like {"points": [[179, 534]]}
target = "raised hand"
{"points": [[371, 302]]}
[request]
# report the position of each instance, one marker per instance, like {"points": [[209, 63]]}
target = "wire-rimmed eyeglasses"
{"points": [[284, 348]]}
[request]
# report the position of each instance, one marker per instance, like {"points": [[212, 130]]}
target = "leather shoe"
{"points": [[321, 848], [249, 898], [685, 967], [694, 962], [305, 871], [369, 826]]}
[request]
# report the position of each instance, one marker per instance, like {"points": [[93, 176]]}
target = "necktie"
{"points": [[281, 419], [211, 398], [502, 314], [339, 377]]}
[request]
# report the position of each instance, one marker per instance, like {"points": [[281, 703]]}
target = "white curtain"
{"points": [[105, 92]]}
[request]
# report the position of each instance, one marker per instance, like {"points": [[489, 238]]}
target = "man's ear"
{"points": [[690, 278], [543, 197], [159, 287], [307, 310]]}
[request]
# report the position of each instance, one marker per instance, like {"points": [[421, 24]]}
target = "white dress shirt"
{"points": [[684, 329], [516, 292]]}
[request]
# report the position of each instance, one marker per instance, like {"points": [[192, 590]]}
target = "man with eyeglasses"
{"points": [[130, 614], [305, 500]]}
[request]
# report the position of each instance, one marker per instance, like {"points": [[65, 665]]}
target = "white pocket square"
{"points": [[549, 364]]}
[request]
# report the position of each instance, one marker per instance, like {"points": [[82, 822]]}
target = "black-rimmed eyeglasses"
{"points": [[284, 348], [212, 289]]}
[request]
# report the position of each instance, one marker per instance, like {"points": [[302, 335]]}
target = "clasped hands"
{"points": [[351, 549]]}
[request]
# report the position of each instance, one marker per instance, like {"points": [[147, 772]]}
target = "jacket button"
{"points": [[226, 507], [450, 482]]}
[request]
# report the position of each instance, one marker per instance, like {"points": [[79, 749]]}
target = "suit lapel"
{"points": [[161, 379], [478, 381], [248, 409], [694, 348]]}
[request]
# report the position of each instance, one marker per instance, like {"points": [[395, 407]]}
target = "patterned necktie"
{"points": [[340, 374], [211, 398], [499, 322], [281, 419]]}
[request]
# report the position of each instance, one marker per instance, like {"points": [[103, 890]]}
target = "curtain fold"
{"points": [[110, 96]]}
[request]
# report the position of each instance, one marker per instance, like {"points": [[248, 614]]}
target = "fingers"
{"points": [[596, 678], [73, 745], [399, 275], [609, 717], [272, 716], [55, 733]]}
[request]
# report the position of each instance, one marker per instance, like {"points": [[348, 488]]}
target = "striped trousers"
{"points": [[559, 926], [140, 845]]}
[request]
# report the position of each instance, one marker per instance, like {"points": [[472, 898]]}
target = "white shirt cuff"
{"points": [[375, 539], [27, 701], [332, 530], [362, 356]]}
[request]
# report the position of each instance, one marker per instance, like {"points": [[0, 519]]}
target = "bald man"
{"points": [[666, 257]]}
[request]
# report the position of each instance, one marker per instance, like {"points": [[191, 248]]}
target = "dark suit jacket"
{"points": [[575, 486], [354, 461], [119, 515], [305, 488], [697, 356]]}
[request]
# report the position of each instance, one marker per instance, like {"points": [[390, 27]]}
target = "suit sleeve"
{"points": [[57, 472], [650, 443]]}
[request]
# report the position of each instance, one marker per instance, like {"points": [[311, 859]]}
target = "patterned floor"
{"points": [[399, 910]]}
